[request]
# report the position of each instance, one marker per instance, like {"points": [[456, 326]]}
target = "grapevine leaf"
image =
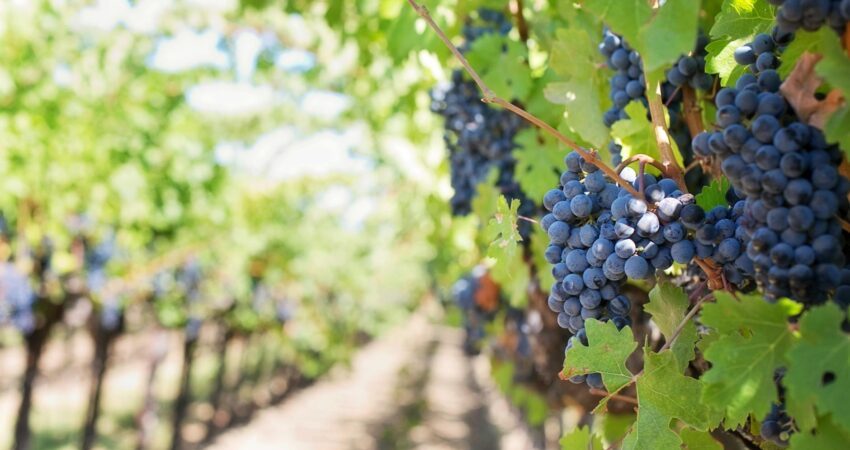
{"points": [[835, 64], [613, 427], [836, 129], [804, 41], [827, 435], [743, 18], [818, 376], [698, 440], [736, 24], [660, 36], [834, 68], [538, 162], [669, 35], [574, 57], [509, 269], [606, 354], [664, 385], [714, 194], [720, 59], [486, 199], [625, 17], [752, 342], [581, 439], [668, 306], [651, 431], [501, 64]]}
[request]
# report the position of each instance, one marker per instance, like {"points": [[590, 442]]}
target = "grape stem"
{"points": [[521, 24], [527, 219], [692, 111], [844, 224], [685, 321], [656, 113], [489, 97], [622, 398], [642, 159]]}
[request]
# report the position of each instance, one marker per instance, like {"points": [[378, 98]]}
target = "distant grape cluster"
{"points": [[811, 15], [17, 299], [788, 175], [628, 84], [479, 138]]}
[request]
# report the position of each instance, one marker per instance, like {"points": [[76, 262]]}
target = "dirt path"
{"points": [[412, 388]]}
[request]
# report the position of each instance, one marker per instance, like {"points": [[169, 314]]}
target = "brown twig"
{"points": [[622, 398], [693, 165], [692, 111], [521, 24], [642, 159], [656, 113], [490, 97]]}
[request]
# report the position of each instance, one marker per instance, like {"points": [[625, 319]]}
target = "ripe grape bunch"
{"points": [[600, 235], [811, 15], [479, 138], [628, 84], [788, 175]]}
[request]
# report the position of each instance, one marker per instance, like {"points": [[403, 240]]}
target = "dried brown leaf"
{"points": [[800, 87]]}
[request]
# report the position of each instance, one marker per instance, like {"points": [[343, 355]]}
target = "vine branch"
{"points": [[521, 24], [490, 97], [692, 111], [659, 127]]}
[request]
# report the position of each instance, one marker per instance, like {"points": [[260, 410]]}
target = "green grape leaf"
{"points": [[743, 18], [607, 353], [613, 427], [668, 305], [720, 59], [660, 36], [818, 375], [826, 436], [698, 440], [671, 33], [736, 24], [575, 58], [664, 394], [753, 339], [581, 439], [501, 63], [538, 162], [624, 17], [651, 431], [714, 194], [803, 41], [836, 129], [509, 269], [835, 64]]}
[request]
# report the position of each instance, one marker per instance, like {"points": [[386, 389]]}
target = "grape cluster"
{"points": [[720, 238], [787, 173], [628, 83], [763, 52], [600, 235], [474, 318], [690, 69], [479, 138], [811, 15], [17, 299]]}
